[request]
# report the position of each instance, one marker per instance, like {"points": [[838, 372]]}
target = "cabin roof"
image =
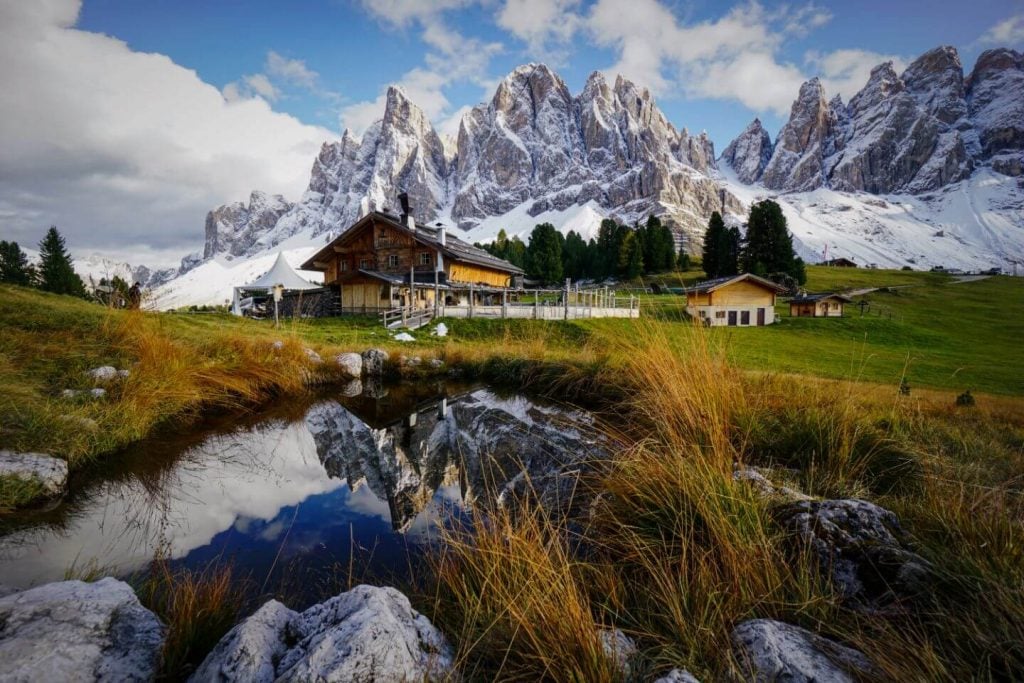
{"points": [[453, 248], [720, 282], [810, 298]]}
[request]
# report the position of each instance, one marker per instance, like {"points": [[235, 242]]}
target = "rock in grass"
{"points": [[313, 356], [771, 651], [70, 393], [618, 647], [374, 361], [764, 486], [350, 363], [366, 634], [105, 373], [123, 374], [436, 363], [51, 473], [98, 392], [678, 676], [861, 547], [352, 389], [76, 631]]}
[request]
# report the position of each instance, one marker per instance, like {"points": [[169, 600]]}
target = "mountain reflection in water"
{"points": [[301, 493]]}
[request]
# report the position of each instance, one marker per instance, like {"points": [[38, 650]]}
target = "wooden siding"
{"points": [[743, 293], [364, 296], [470, 273]]}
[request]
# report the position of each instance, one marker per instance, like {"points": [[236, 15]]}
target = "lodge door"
{"points": [[760, 317], [732, 318]]}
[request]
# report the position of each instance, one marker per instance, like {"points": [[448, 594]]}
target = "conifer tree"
{"points": [[769, 246], [14, 265], [544, 254], [683, 260], [56, 273], [631, 258]]}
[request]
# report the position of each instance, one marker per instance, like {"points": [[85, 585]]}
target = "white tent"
{"points": [[280, 274]]}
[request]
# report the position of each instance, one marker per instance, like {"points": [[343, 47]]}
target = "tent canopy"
{"points": [[279, 274]]}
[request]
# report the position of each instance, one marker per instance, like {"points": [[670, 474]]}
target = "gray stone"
{"points": [[772, 651], [366, 634], [70, 393], [755, 478], [436, 363], [352, 388], [678, 676], [618, 647], [350, 363], [861, 547], [75, 631], [313, 356], [98, 392], [277, 345], [50, 472], [123, 374], [374, 360], [105, 373]]}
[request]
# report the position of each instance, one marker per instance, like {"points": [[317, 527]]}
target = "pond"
{"points": [[306, 496]]}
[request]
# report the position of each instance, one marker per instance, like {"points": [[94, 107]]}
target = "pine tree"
{"points": [[544, 254], [721, 248], [683, 260], [609, 242], [769, 246], [56, 273], [14, 265], [574, 257], [631, 258]]}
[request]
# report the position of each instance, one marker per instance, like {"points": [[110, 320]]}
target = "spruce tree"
{"points": [[574, 257], [14, 265], [715, 246], [631, 258], [769, 246], [544, 254], [683, 260], [56, 273]]}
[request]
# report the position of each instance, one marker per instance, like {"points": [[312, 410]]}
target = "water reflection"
{"points": [[302, 491]]}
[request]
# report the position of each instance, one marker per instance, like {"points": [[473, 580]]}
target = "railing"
{"points": [[406, 317]]}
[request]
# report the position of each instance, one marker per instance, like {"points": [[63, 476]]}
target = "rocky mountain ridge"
{"points": [[909, 133]]}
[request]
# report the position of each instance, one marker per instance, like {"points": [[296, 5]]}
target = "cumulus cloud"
{"points": [[1006, 33], [845, 72], [452, 58], [126, 151], [544, 25], [291, 70]]}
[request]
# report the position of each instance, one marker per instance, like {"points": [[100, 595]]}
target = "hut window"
{"points": [[344, 266], [424, 258], [364, 263], [393, 261], [719, 314]]}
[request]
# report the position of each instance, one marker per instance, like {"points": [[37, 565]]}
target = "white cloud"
{"points": [[262, 86], [1006, 33], [453, 58], [125, 150], [292, 71], [544, 25], [845, 72]]}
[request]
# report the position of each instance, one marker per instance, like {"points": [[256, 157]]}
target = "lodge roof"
{"points": [[720, 282], [810, 298], [453, 248]]}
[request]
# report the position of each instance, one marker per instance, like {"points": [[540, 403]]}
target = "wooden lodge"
{"points": [[386, 263], [743, 300], [824, 305], [840, 262]]}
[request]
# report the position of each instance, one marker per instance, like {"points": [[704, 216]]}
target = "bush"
{"points": [[965, 399]]}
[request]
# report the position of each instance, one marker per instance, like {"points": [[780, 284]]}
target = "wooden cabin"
{"points": [[383, 262], [840, 263], [824, 305], [743, 300]]}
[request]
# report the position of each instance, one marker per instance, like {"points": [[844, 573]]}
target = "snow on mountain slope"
{"points": [[212, 283], [974, 224]]}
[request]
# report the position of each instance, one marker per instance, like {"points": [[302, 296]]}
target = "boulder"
{"points": [[860, 546], [678, 676], [618, 647], [123, 374], [105, 373], [350, 363], [98, 392], [277, 345], [765, 487], [353, 388], [76, 631], [69, 393], [374, 360], [313, 356], [769, 651], [50, 472], [366, 634], [436, 363]]}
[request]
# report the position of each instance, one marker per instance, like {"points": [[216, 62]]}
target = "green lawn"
{"points": [[945, 334]]}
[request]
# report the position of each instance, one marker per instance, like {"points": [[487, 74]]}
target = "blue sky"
{"points": [[356, 49], [124, 122]]}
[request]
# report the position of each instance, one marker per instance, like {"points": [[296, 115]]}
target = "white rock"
{"points": [[350, 363], [123, 374], [50, 472], [619, 647], [678, 676], [75, 631], [414, 361], [374, 360], [775, 651], [353, 388], [98, 392], [277, 345], [441, 330], [104, 373], [404, 337], [70, 393], [313, 356], [436, 363], [366, 634]]}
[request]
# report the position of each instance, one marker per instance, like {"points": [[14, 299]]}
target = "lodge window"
{"points": [[393, 261], [424, 258], [364, 263], [719, 314], [344, 266]]}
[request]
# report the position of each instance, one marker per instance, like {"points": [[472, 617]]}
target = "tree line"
{"points": [[618, 251], [765, 250], [54, 273]]}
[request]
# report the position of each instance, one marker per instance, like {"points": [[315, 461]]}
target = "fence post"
{"points": [[504, 303], [471, 301], [536, 301], [567, 289]]}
